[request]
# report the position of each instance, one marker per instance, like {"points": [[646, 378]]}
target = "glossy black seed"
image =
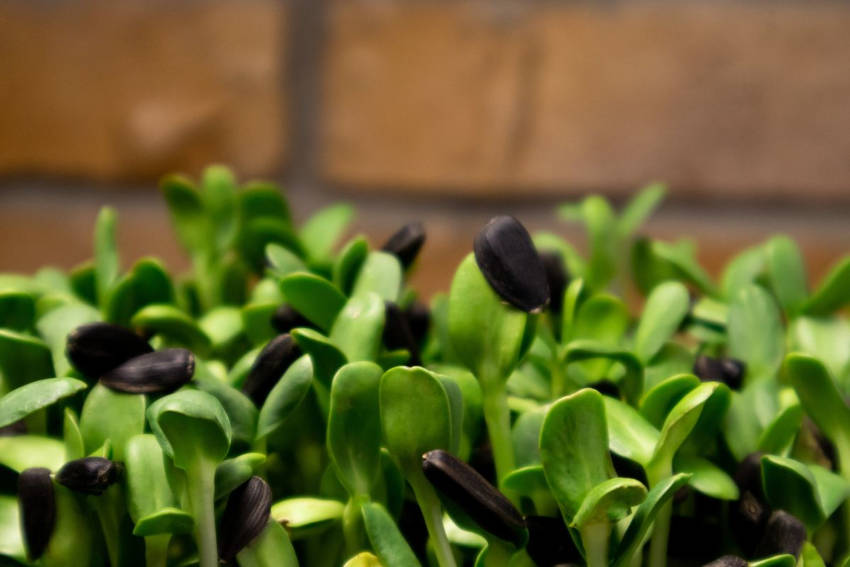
{"points": [[271, 363], [549, 542], [155, 372], [397, 333], [89, 475], [419, 320], [511, 265], [406, 243], [748, 475], [783, 534], [471, 492], [747, 518], [38, 509], [728, 561], [726, 370], [97, 348], [245, 516], [285, 318], [557, 277]]}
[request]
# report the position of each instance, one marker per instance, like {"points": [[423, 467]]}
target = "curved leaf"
{"points": [[831, 294], [34, 396], [387, 541], [610, 500], [358, 327], [112, 416], [629, 434], [818, 395], [23, 359], [304, 516], [174, 324], [756, 332], [21, 452], [322, 231], [706, 477], [381, 273], [272, 547], [787, 273], [314, 297], [666, 307], [285, 396]]}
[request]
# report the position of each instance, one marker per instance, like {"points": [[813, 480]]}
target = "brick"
{"points": [[131, 90], [722, 100]]}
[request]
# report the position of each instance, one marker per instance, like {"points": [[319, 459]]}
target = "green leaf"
{"points": [[17, 310], [665, 309], [305, 516], [485, 333], [75, 447], [348, 263], [146, 284], [283, 261], [55, 326], [358, 328], [257, 235], [601, 227], [263, 199], [818, 395], [779, 435], [670, 261], [611, 500], [789, 485], [673, 359], [232, 473], [20, 452], [11, 539], [640, 208], [387, 541], [832, 489], [574, 449], [380, 273], [271, 548], [285, 396], [644, 517], [151, 503], [187, 213], [363, 559], [219, 199], [629, 434], [105, 254], [784, 560], [223, 326], [354, 426], [755, 332], [526, 436], [314, 297], [527, 481], [827, 340], [34, 396], [831, 294], [415, 415], [240, 409], [631, 382], [681, 421], [750, 412], [574, 295], [173, 324], [84, 283], [787, 273], [706, 477], [326, 357], [809, 556], [72, 542], [322, 231], [23, 359], [112, 416], [658, 401], [603, 318], [190, 424], [743, 270]]}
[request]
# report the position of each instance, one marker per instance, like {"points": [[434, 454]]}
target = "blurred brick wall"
{"points": [[435, 106]]}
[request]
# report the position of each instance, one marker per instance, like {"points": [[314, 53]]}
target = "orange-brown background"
{"points": [[449, 111]]}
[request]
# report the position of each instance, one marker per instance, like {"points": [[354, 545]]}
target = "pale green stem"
{"points": [[594, 538], [497, 416], [661, 529], [352, 527], [156, 550], [109, 509], [842, 448], [200, 485], [432, 512]]}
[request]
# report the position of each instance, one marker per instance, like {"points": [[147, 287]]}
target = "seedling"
{"points": [[292, 401]]}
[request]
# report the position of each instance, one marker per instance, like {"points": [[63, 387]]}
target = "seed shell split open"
{"points": [[245, 516], [38, 509], [479, 499], [97, 348], [511, 265], [162, 371]]}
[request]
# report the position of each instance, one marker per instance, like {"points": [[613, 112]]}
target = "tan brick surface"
{"points": [[133, 89], [717, 98]]}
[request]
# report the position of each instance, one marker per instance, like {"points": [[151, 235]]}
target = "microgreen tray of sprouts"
{"points": [[290, 400]]}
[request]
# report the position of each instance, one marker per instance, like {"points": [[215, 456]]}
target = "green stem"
{"points": [[156, 550], [432, 512], [594, 538], [352, 527], [498, 553], [108, 508], [497, 416], [842, 448], [656, 473], [200, 485]]}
